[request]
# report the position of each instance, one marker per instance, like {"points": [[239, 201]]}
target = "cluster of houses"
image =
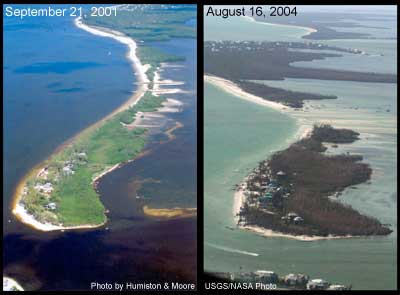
{"points": [[265, 188], [292, 217], [79, 158], [303, 281], [292, 281], [47, 187], [266, 192], [216, 46]]}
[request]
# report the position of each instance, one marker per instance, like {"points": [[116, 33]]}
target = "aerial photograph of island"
{"points": [[100, 147], [300, 146]]}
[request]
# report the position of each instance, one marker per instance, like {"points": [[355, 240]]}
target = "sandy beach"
{"points": [[309, 30], [9, 284], [303, 132], [304, 129], [140, 71], [239, 200], [233, 88]]}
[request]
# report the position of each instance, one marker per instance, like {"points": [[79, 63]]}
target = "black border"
{"points": [[200, 118]]}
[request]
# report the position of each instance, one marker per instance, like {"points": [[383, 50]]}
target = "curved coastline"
{"points": [[140, 70], [303, 132], [9, 284], [309, 29], [239, 200], [232, 88]]}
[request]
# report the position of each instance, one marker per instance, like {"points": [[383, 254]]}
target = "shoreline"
{"points": [[304, 130], [253, 186], [10, 283], [239, 200], [309, 29], [232, 88], [18, 209]]}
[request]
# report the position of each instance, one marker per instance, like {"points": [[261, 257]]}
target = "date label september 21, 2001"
{"points": [[73, 11]]}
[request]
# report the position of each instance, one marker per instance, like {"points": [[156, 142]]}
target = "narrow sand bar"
{"points": [[140, 70], [170, 212], [233, 88], [308, 29]]}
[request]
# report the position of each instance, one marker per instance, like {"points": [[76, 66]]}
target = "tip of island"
{"points": [[60, 193], [295, 193]]}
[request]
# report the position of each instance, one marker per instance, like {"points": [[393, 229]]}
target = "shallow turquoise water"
{"points": [[231, 149], [375, 118], [243, 29], [229, 153], [379, 57]]}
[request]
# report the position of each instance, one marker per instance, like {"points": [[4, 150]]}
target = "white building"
{"points": [[338, 287], [51, 206], [317, 284], [46, 188], [68, 170]]}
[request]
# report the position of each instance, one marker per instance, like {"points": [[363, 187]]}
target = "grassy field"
{"points": [[76, 200]]}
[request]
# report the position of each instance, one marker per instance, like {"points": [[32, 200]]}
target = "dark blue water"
{"points": [[166, 176], [58, 80]]}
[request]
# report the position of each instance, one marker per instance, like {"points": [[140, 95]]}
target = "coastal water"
{"points": [[58, 80], [369, 108], [246, 29]]}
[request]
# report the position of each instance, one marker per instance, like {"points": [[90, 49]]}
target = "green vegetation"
{"points": [[145, 23], [150, 22], [154, 57], [149, 103], [63, 192], [70, 172]]}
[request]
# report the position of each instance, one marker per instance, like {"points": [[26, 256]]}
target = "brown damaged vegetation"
{"points": [[311, 177]]}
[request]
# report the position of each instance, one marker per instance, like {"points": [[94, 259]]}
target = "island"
{"points": [[60, 193], [327, 26], [295, 193], [248, 63]]}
